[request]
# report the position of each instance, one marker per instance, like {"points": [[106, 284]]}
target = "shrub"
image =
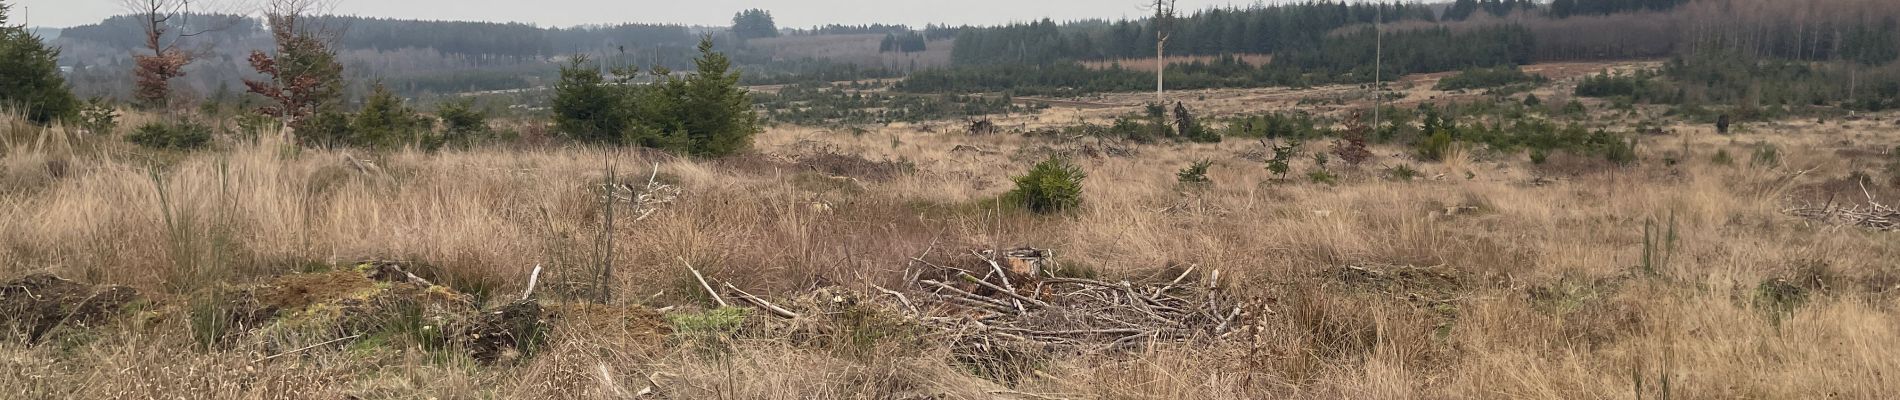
{"points": [[1195, 174], [1766, 155], [1722, 158], [1401, 172], [1620, 152], [706, 113], [1575, 108], [1638, 87], [177, 135], [1322, 177], [1053, 185], [462, 124], [324, 129], [1351, 146], [1282, 160], [1436, 147], [98, 116], [386, 122]]}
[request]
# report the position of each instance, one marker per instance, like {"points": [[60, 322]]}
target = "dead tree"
{"points": [[1163, 23]]}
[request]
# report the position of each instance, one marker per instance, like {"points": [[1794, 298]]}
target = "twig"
{"points": [[900, 298], [761, 303], [302, 349], [1005, 291], [1177, 280], [703, 284], [1025, 394]]}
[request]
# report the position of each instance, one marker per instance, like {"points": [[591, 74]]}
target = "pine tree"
{"points": [[585, 107], [386, 122], [30, 80], [719, 116]]}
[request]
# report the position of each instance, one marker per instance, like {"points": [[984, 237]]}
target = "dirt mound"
{"points": [[302, 290], [35, 305], [508, 333]]}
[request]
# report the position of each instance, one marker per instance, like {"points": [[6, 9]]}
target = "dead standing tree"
{"points": [[167, 23], [1163, 23]]}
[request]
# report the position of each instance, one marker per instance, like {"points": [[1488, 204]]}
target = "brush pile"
{"points": [[1875, 216], [645, 199], [1009, 298]]}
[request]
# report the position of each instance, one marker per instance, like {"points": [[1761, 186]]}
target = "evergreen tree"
{"points": [[753, 24], [304, 76], [706, 114], [386, 122], [719, 117], [585, 106], [30, 80]]}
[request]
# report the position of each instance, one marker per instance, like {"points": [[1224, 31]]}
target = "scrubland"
{"points": [[1681, 275]]}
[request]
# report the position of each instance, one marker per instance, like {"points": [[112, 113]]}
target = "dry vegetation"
{"points": [[1486, 278]]}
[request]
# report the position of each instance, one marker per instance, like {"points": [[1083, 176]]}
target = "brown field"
{"points": [[1491, 277]]}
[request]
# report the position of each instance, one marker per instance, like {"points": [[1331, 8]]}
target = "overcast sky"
{"points": [[789, 13]]}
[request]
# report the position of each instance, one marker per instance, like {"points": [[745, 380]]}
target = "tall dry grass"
{"points": [[1548, 299]]}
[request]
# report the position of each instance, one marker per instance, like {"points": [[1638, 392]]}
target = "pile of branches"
{"points": [[995, 296], [645, 199], [1875, 216]]}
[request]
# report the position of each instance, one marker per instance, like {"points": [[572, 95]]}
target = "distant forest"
{"points": [[1312, 42]]}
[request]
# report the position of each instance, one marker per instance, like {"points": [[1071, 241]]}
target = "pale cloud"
{"points": [[789, 13]]}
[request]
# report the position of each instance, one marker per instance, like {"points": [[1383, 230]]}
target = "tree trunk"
{"points": [[1161, 68]]}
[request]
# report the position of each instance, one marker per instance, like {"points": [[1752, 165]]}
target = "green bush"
{"points": [[462, 124], [1320, 176], [386, 122], [1195, 175], [98, 117], [1436, 147], [324, 129], [1639, 86], [1053, 185], [176, 135], [1282, 161], [1766, 155], [1402, 172], [1722, 158], [704, 113]]}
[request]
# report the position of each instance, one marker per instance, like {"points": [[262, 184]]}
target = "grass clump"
{"points": [[1052, 186]]}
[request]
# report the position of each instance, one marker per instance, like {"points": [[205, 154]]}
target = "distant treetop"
{"points": [[753, 24]]}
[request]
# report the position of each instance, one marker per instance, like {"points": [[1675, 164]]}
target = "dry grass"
{"points": [[1536, 291]]}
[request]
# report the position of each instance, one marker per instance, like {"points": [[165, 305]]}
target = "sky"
{"points": [[788, 13]]}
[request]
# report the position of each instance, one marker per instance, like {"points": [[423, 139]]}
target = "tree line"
{"points": [[1260, 29]]}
